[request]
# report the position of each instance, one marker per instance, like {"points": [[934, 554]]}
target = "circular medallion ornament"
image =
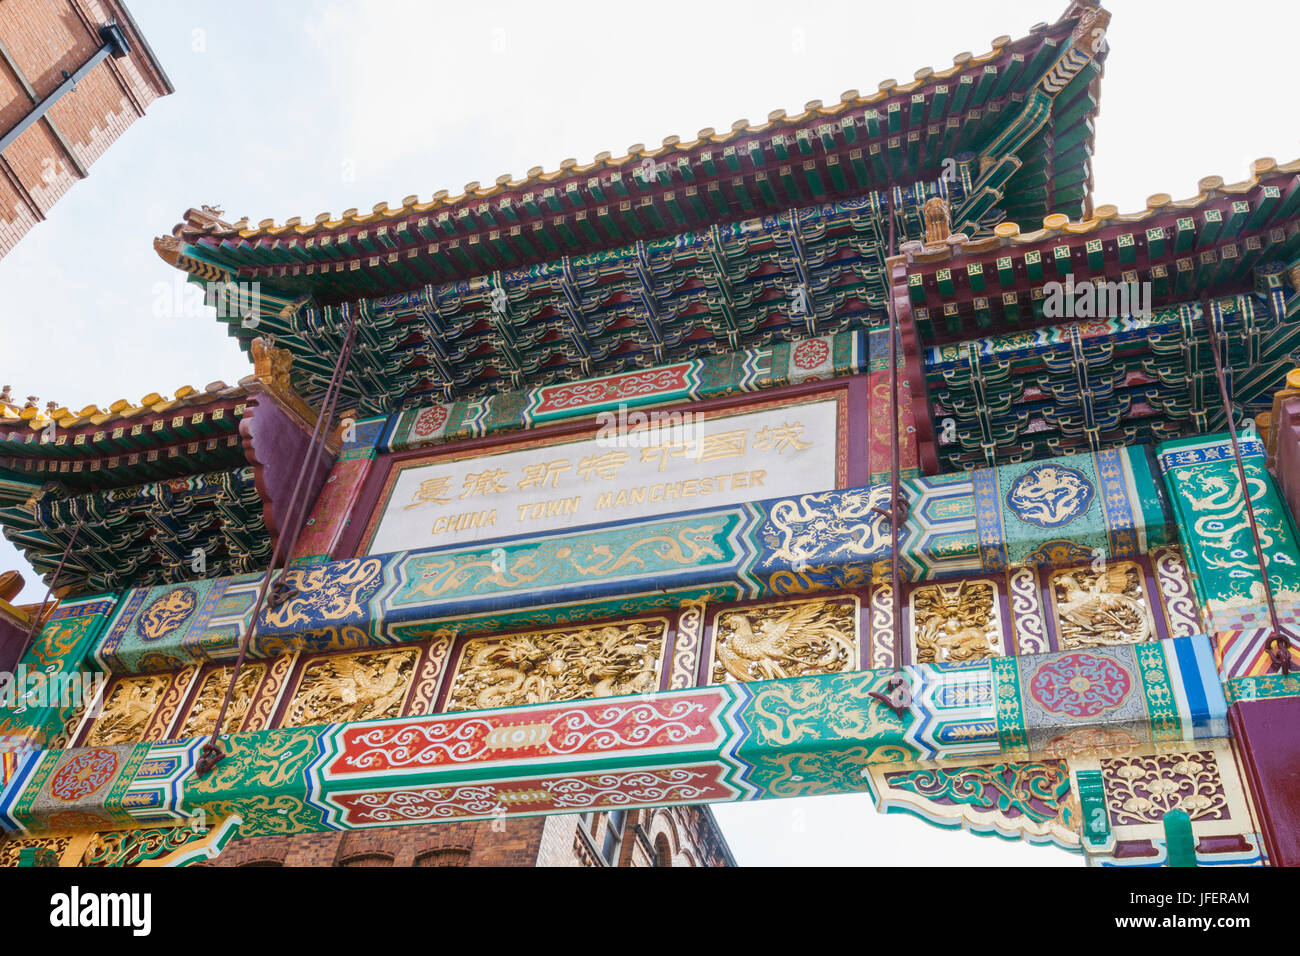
{"points": [[429, 421], [1049, 495], [166, 613], [811, 354], [1080, 685], [85, 773]]}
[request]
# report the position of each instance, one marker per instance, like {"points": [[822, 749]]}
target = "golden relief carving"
{"points": [[348, 687], [207, 705], [956, 622], [1099, 608], [130, 706], [1143, 789], [564, 664], [786, 640], [49, 849]]}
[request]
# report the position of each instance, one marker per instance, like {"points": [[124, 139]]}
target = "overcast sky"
{"points": [[292, 109]]}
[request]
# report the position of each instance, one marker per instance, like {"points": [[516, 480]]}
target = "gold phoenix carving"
{"points": [[558, 665], [203, 713], [956, 622], [347, 687], [127, 712], [1100, 608], [786, 640]]}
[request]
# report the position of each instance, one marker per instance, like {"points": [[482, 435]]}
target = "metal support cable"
{"points": [[298, 513], [39, 615], [899, 697], [1279, 641], [211, 754], [894, 458]]}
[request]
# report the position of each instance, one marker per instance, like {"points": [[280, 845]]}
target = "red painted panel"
{"points": [[1270, 748], [588, 728]]}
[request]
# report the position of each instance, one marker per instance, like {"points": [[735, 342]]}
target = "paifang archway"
{"points": [[603, 519]]}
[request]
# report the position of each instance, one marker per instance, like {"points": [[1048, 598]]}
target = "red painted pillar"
{"points": [[1269, 747]]}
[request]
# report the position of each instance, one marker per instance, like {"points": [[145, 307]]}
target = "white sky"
{"points": [[291, 109]]}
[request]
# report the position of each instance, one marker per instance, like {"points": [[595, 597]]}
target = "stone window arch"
{"points": [[663, 852]]}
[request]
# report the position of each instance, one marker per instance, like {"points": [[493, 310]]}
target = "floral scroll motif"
{"points": [[130, 847], [1079, 685], [1027, 612], [11, 849], [1181, 610], [686, 646], [1143, 789], [1038, 791], [882, 626]]}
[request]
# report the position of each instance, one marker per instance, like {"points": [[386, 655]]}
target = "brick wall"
{"points": [[513, 843], [44, 38], [534, 841]]}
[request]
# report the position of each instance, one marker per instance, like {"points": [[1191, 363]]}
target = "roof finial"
{"points": [[937, 223]]}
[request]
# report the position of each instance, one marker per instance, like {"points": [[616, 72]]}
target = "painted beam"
{"points": [[728, 742], [1070, 510], [1205, 490], [747, 370]]}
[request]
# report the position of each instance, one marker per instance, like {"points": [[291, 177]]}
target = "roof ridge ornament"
{"points": [[273, 369], [938, 225]]}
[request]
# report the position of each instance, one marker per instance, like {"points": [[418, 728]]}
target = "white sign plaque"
{"points": [[621, 473]]}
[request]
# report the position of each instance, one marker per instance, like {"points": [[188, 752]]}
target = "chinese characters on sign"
{"points": [[725, 460]]}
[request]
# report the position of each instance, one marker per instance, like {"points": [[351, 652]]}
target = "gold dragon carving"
{"points": [[1100, 608], [956, 622], [786, 640], [166, 613], [559, 665], [349, 687], [203, 713], [130, 706]]}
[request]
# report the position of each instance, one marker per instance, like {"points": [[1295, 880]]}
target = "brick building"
{"points": [[669, 836], [74, 74]]}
